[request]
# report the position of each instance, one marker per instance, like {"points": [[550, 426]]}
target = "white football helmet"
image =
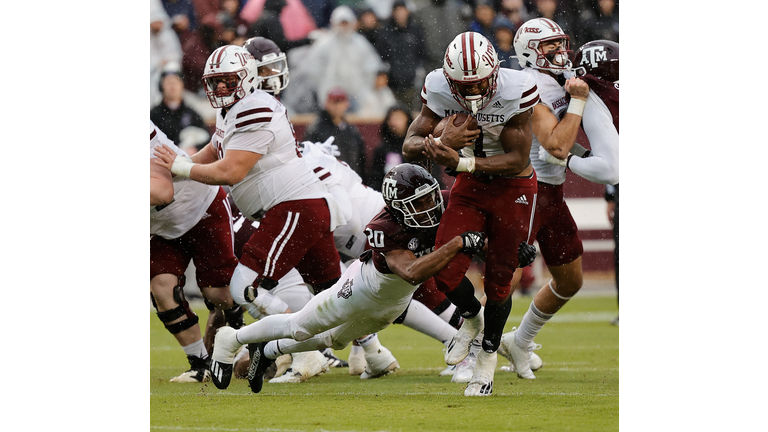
{"points": [[234, 67], [271, 64], [471, 59], [529, 38]]}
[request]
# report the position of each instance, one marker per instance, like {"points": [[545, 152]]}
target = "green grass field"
{"points": [[577, 389]]}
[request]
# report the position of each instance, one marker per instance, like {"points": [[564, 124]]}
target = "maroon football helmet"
{"points": [[271, 63], [413, 196], [599, 58]]}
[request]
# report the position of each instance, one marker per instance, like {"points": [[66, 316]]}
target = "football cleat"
{"points": [[458, 349], [379, 364], [449, 371], [465, 369], [225, 347], [259, 364], [519, 357], [333, 361], [197, 373], [281, 366], [536, 363], [305, 365], [481, 383], [356, 362]]}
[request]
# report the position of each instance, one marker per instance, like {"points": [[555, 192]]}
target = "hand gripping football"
{"points": [[458, 121]]}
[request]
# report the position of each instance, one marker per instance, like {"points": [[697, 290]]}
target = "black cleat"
{"points": [[334, 361], [258, 366], [221, 374], [197, 373]]}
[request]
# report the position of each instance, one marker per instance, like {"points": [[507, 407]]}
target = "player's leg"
{"points": [[212, 244], [286, 234], [561, 249], [173, 310], [460, 216], [418, 317], [324, 311], [167, 264], [509, 224]]}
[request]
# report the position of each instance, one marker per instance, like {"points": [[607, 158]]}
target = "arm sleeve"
{"points": [[602, 165]]}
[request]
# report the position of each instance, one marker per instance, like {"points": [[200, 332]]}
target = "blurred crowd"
{"points": [[348, 59]]}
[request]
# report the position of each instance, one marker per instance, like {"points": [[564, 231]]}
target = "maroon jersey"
{"points": [[386, 234], [608, 92]]}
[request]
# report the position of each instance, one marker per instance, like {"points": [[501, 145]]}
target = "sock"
{"points": [[266, 329], [196, 349], [532, 322], [447, 314], [370, 343], [355, 349], [464, 298], [423, 320], [272, 350], [495, 318]]}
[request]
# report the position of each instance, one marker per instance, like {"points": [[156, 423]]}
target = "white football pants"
{"points": [[348, 310]]}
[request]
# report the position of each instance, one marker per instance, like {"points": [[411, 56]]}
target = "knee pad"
{"points": [[173, 314]]}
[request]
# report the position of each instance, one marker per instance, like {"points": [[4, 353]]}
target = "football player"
{"points": [[364, 203], [543, 50], [372, 292], [255, 151], [495, 187], [188, 221], [597, 63]]}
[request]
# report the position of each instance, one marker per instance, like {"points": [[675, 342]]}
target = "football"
{"points": [[458, 121]]}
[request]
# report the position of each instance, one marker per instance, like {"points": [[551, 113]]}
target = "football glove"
{"points": [[525, 254], [473, 242], [544, 156]]}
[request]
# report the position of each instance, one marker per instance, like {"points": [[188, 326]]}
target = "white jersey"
{"points": [[515, 93], [365, 201], [259, 123], [602, 166], [190, 198], [553, 96]]}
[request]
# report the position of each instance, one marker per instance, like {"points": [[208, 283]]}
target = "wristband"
{"points": [[576, 106], [466, 164], [182, 166]]}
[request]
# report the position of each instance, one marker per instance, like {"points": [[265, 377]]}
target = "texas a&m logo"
{"points": [[389, 189], [592, 55], [346, 290]]}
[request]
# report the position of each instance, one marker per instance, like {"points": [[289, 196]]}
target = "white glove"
{"points": [[546, 157], [182, 166], [329, 147], [264, 303]]}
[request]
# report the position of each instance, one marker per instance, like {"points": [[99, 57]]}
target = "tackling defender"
{"points": [[373, 291]]}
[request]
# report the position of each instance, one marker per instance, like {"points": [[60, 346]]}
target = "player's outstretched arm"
{"points": [[417, 270], [160, 184], [230, 170]]}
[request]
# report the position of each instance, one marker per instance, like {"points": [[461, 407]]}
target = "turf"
{"points": [[577, 389]]}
